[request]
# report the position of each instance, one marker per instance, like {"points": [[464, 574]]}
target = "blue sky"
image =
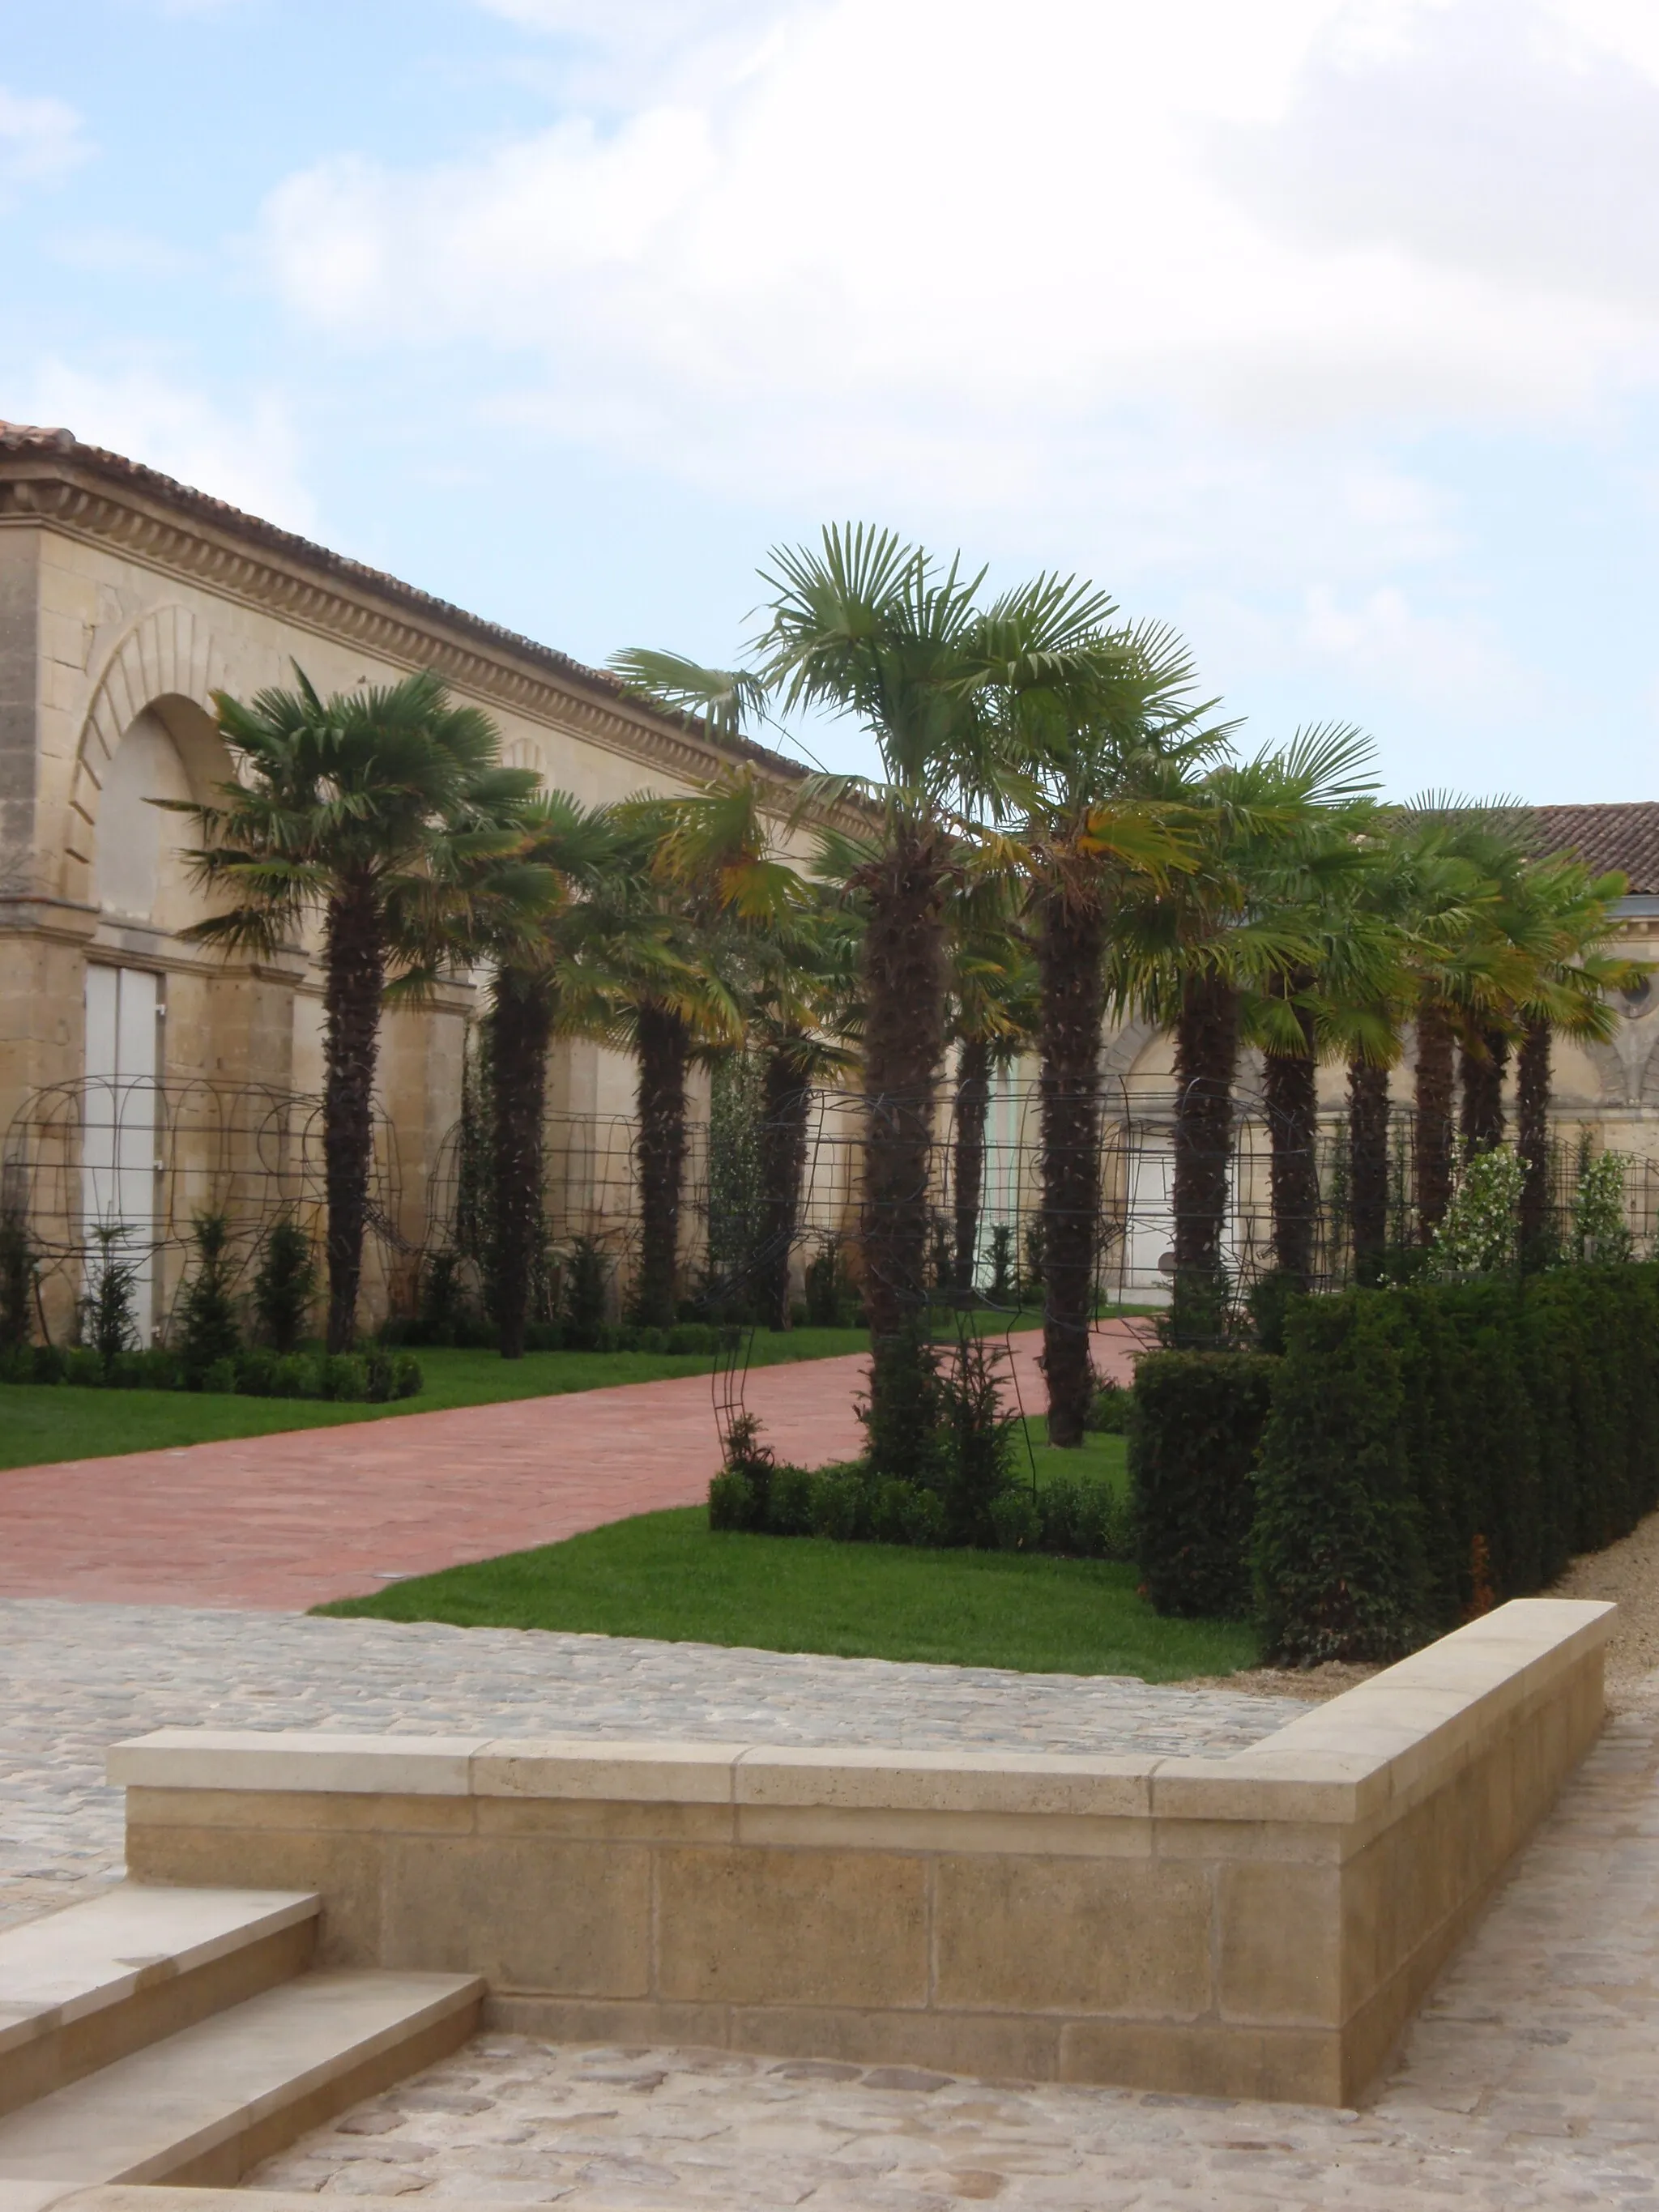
{"points": [[1327, 330]]}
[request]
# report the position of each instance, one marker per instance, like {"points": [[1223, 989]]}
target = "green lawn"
{"points": [[40, 1423], [664, 1574]]}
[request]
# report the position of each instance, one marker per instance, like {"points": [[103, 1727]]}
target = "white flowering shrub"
{"points": [[1598, 1233], [1482, 1226]]}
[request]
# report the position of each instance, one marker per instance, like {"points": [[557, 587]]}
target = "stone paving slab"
{"points": [[1531, 2080], [76, 1678], [291, 1520]]}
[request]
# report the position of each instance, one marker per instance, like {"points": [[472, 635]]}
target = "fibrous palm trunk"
{"points": [[787, 1099], [1206, 1055], [1071, 963], [1483, 1064], [521, 1021], [1433, 1102], [663, 1046], [1292, 1090], [355, 965], [1368, 1164], [1532, 1118], [904, 976], [968, 1166]]}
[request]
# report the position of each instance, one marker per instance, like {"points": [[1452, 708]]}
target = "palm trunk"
{"points": [[1483, 1064], [1206, 1056], [904, 973], [1433, 1101], [1291, 1087], [1533, 1141], [1367, 1165], [787, 1102], [664, 1048], [521, 1021], [968, 1168], [355, 964], [1071, 962]]}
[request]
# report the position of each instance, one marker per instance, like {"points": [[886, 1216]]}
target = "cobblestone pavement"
{"points": [[74, 1678], [1530, 2081]]}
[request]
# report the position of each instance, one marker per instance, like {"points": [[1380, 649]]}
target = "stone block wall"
{"points": [[1263, 1925]]}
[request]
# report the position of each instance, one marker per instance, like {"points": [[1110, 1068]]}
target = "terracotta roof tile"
{"points": [[1625, 837]]}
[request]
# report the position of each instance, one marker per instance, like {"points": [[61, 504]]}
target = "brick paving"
{"points": [[288, 1521]]}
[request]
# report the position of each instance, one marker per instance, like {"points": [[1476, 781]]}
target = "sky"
{"points": [[1325, 330]]}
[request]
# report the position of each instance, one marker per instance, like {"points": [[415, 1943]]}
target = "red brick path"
{"points": [[287, 1521]]}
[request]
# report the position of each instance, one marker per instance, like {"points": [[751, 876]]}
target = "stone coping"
{"points": [[1374, 1749]]}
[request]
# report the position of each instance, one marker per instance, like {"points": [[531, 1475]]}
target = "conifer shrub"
{"points": [[18, 1264], [1195, 1421], [284, 1286], [1434, 1449], [208, 1337]]}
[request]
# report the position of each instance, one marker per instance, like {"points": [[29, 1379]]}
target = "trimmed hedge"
{"points": [[698, 1339], [1432, 1451], [1077, 1518], [373, 1377], [1194, 1421]]}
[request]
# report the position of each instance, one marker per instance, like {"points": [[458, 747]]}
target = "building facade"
{"points": [[140, 1074]]}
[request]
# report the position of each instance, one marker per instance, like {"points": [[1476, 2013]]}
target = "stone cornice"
{"points": [[47, 478]]}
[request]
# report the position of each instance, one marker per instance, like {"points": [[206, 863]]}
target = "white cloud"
{"points": [[252, 460], [1458, 666], [1197, 203], [41, 139]]}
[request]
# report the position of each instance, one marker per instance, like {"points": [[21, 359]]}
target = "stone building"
{"points": [[161, 1067], [144, 1077]]}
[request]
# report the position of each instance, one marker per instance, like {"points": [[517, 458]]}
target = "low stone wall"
{"points": [[1262, 1925]]}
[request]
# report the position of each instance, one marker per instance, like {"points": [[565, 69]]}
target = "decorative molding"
{"points": [[46, 478], [168, 653]]}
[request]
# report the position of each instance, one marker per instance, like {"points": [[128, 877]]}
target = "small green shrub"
{"points": [[975, 1458], [583, 1291], [840, 1505], [221, 1378], [107, 1313], [1016, 1523], [1109, 1410], [732, 1501], [284, 1286], [18, 1262], [208, 1337], [83, 1367], [698, 1339], [1197, 1420], [1084, 1520], [789, 1508]]}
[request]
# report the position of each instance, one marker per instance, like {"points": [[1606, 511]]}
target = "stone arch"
{"points": [[168, 664]]}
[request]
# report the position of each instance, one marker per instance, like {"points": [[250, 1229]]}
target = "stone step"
{"points": [[82, 1987], [208, 2103]]}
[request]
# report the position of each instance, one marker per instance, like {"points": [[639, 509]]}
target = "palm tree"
{"points": [[1420, 904], [791, 947], [1088, 830], [530, 918], [993, 1018], [1558, 917], [671, 996], [795, 944], [1334, 1001], [1188, 952], [871, 627], [365, 808]]}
